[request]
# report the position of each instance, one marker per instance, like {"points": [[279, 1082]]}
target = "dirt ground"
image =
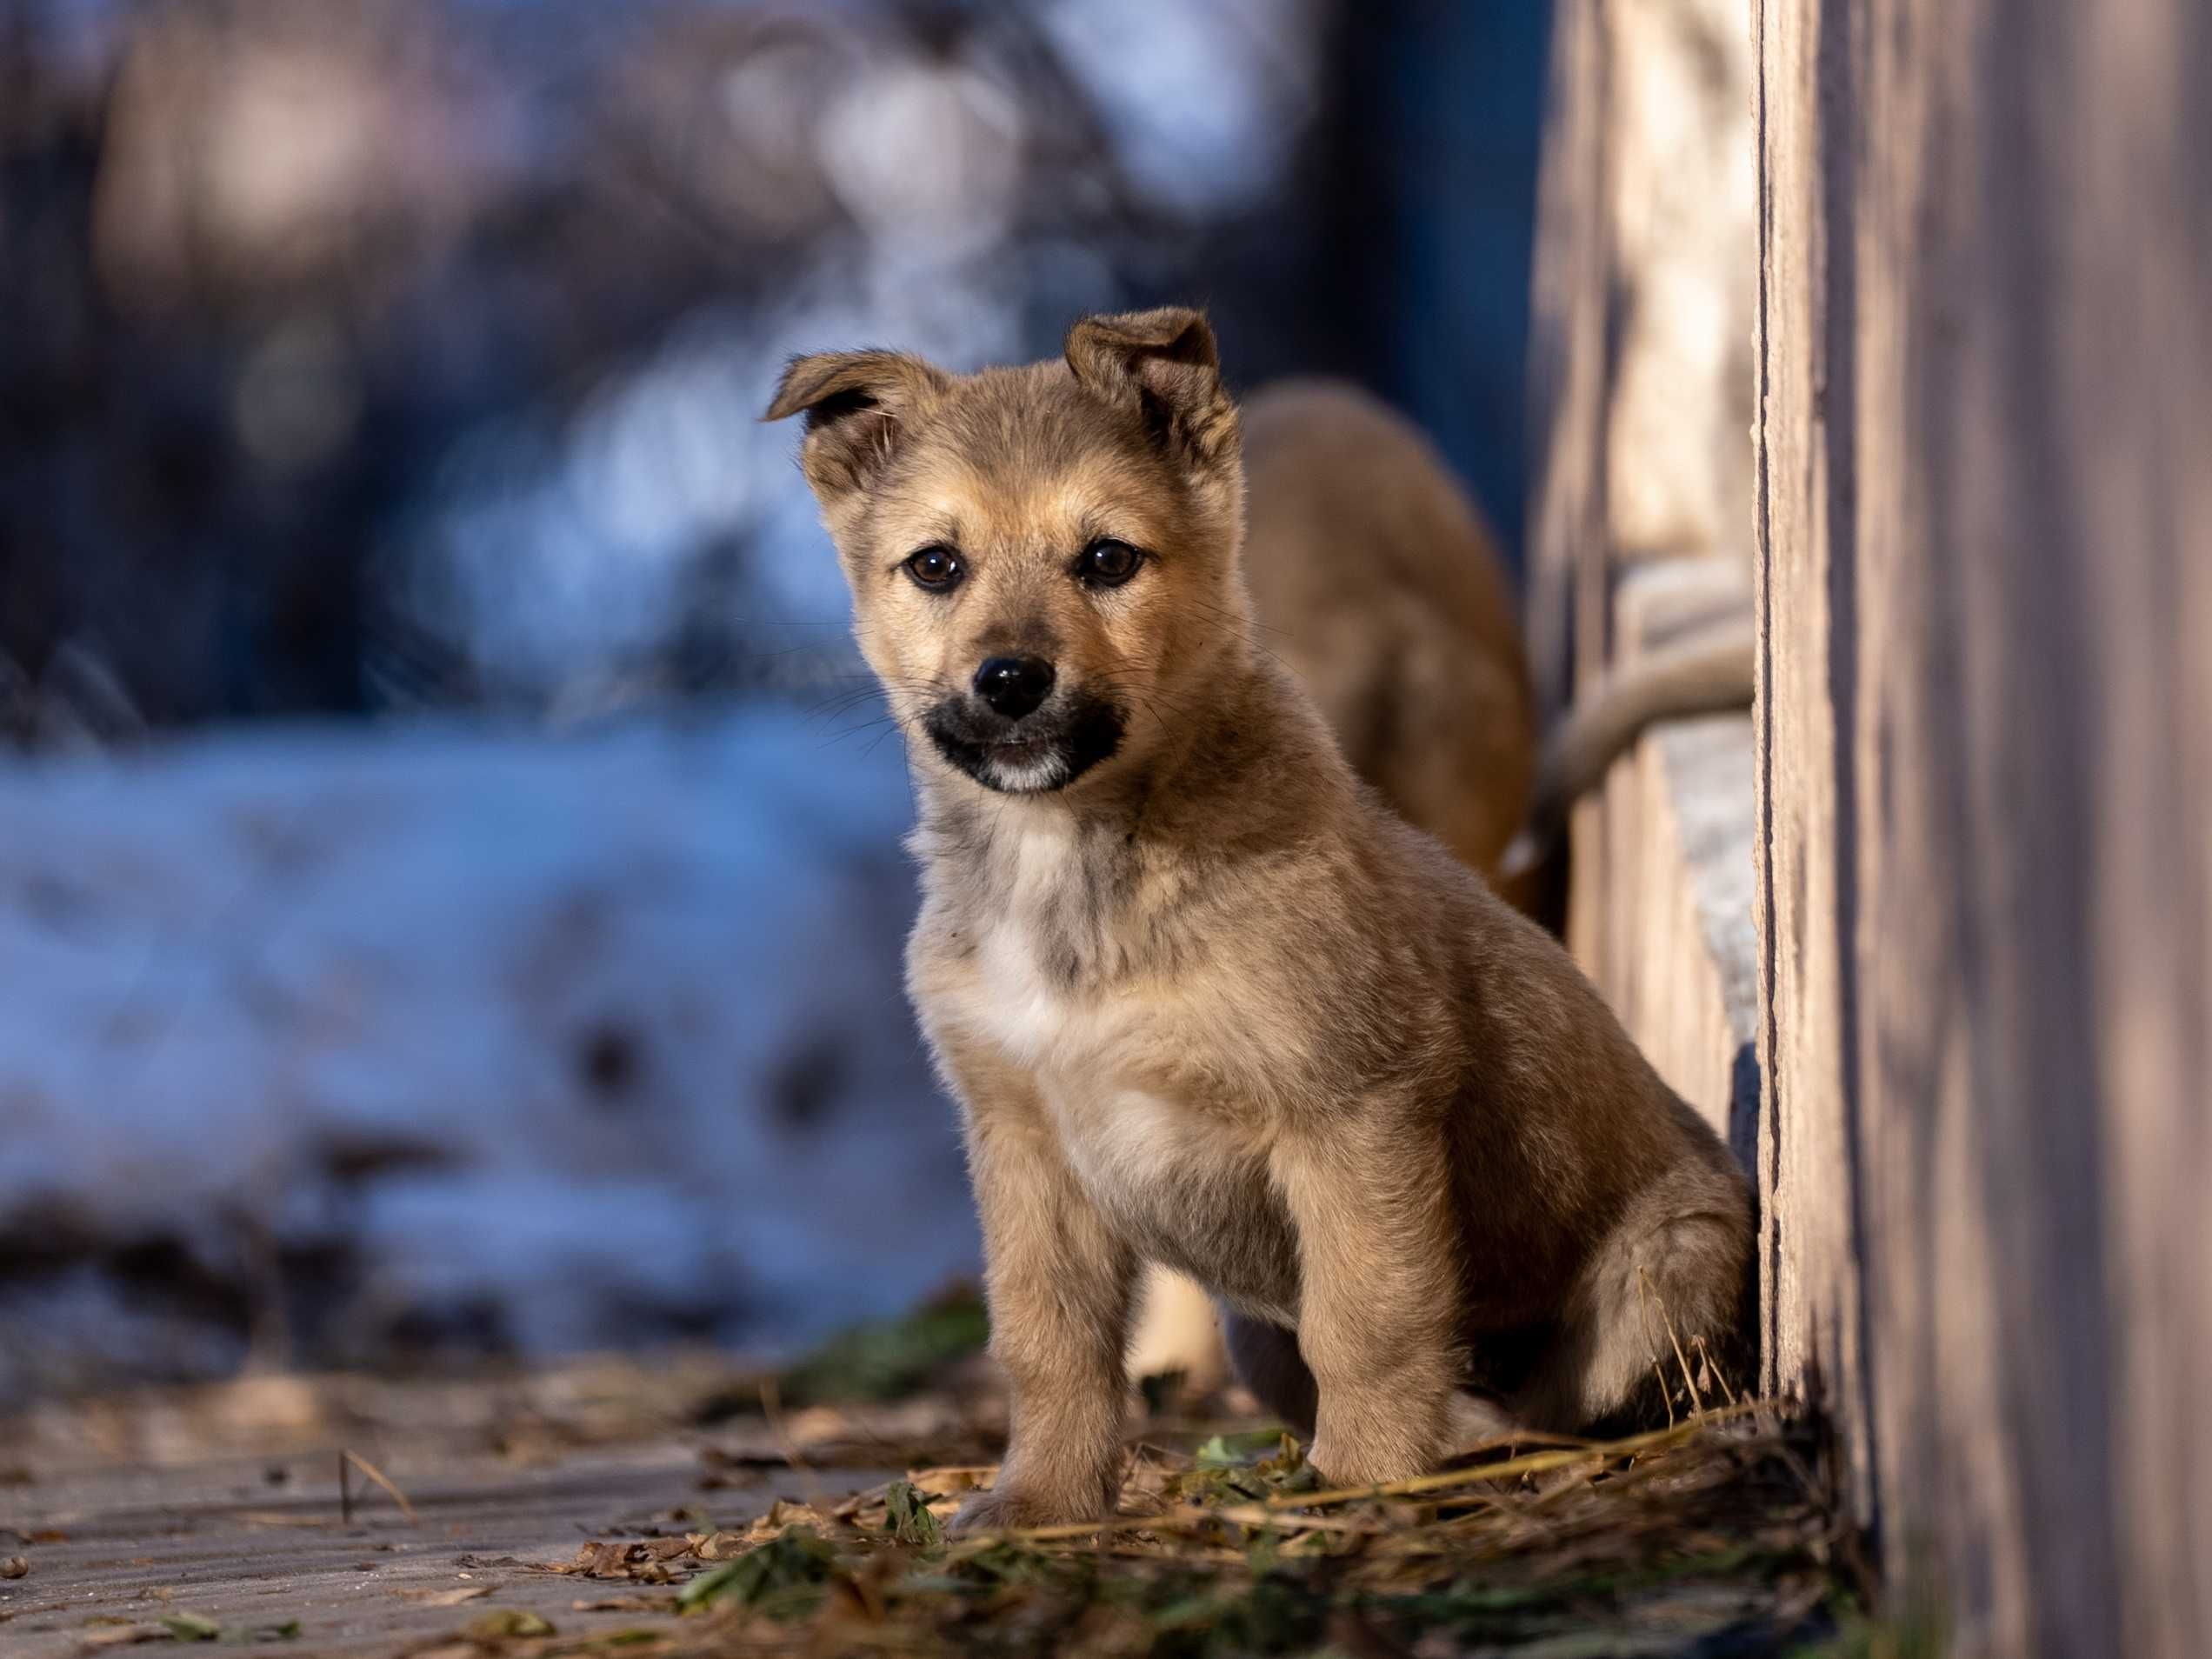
{"points": [[680, 1508]]}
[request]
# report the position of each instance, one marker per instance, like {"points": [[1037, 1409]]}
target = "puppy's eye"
{"points": [[936, 568], [1108, 564]]}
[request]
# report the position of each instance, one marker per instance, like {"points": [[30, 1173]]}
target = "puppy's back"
{"points": [[1376, 580]]}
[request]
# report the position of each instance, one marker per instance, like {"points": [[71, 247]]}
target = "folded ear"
{"points": [[1162, 365], [855, 404]]}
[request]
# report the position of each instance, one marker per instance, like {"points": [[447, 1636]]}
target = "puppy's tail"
{"points": [[1711, 673]]}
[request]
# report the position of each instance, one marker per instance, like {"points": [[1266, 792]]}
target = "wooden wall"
{"points": [[1641, 505], [1975, 429], [1984, 514]]}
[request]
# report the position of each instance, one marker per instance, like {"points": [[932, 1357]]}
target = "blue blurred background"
{"points": [[450, 896]]}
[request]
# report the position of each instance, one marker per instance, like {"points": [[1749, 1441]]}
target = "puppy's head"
{"points": [[1044, 560]]}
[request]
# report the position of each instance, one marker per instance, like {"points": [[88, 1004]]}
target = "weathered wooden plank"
{"points": [[1808, 1282], [218, 1542], [1641, 515], [1986, 555], [1569, 366], [1640, 360]]}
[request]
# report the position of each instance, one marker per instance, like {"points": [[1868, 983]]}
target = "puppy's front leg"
{"points": [[1060, 1288], [1378, 1298]]}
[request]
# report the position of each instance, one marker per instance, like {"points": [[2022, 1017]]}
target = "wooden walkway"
{"points": [[257, 1545], [223, 1504]]}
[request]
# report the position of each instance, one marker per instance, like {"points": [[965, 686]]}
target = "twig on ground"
{"points": [[345, 1494], [771, 1399]]}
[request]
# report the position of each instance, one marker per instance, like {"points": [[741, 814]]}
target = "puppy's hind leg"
{"points": [[1657, 1322]]}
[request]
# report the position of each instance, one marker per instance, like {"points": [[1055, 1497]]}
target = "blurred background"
{"points": [[450, 886]]}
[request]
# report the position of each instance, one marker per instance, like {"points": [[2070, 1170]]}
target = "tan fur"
{"points": [[1376, 579], [1211, 1004]]}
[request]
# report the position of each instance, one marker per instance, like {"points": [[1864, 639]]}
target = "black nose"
{"points": [[1013, 686]]}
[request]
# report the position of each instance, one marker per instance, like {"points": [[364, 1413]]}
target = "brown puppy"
{"points": [[1376, 579], [1203, 999]]}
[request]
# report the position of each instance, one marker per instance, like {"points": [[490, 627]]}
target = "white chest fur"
{"points": [[1116, 1063], [1022, 998], [1034, 1016], [1102, 1053]]}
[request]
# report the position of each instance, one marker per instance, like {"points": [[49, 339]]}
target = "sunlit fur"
{"points": [[1018, 471], [1209, 1003]]}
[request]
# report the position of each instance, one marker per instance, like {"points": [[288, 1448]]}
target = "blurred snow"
{"points": [[450, 1036], [1198, 98], [925, 156]]}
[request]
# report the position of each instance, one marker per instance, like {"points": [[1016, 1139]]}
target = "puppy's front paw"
{"points": [[1373, 1460], [1373, 1437], [1002, 1509]]}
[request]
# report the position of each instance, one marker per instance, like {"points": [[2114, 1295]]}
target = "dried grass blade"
{"points": [[384, 1480], [1513, 1467]]}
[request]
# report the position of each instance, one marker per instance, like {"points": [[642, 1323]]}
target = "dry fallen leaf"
{"points": [[647, 1561], [670, 1561], [945, 1482], [784, 1513]]}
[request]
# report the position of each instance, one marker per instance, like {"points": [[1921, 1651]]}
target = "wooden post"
{"points": [[1984, 498]]}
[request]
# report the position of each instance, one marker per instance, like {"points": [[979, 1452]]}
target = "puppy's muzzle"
{"points": [[1020, 732]]}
